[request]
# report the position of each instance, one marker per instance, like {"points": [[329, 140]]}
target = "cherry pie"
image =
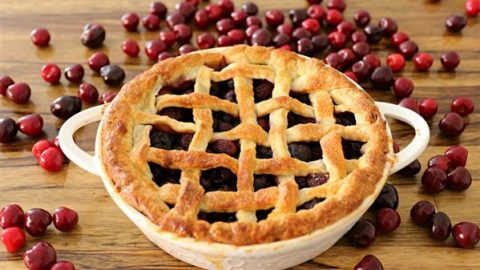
{"points": [[244, 145]]}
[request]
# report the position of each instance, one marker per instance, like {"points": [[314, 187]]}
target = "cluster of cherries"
{"points": [[42, 255]]}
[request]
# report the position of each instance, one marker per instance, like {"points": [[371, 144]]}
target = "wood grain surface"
{"points": [[106, 239]]}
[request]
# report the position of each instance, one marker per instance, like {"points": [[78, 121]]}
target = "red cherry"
{"points": [[130, 21], [337, 40], [421, 212], [351, 75], [63, 265], [373, 60], [409, 103], [186, 8], [158, 8], [19, 93], [250, 31], [334, 60], [450, 61], [369, 262], [334, 17], [97, 60], [51, 159], [361, 49], [107, 97], [153, 48], [361, 69], [428, 108], [151, 22], [74, 73], [347, 55], [466, 234], [237, 36], [440, 161], [5, 82], [39, 147], [31, 125], [224, 41], [8, 129], [463, 106], [452, 125], [362, 18], [311, 25], [201, 19], [40, 37], [88, 93], [65, 219], [388, 220], [130, 47], [274, 17], [358, 36], [214, 12], [457, 155], [51, 73], [13, 238], [396, 62], [316, 12], [423, 61], [408, 49], [168, 37], [183, 33], [225, 25], [187, 48], [403, 87], [434, 180], [254, 20], [206, 41], [41, 256], [336, 4], [36, 221], [346, 28], [11, 216], [165, 55], [398, 38], [472, 7], [459, 179]]}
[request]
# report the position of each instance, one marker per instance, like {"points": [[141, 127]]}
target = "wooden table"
{"points": [[106, 239]]}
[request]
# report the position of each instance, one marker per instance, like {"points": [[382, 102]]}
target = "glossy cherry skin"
{"points": [[158, 9], [388, 26], [374, 34], [361, 49], [168, 37], [362, 18], [297, 16], [274, 17], [462, 105], [423, 61], [19, 93], [237, 36], [316, 12], [37, 220], [31, 125], [305, 46], [188, 48], [320, 42], [8, 129], [440, 161], [348, 56], [186, 8], [42, 256], [403, 87], [452, 125], [408, 49], [334, 60], [388, 198], [382, 77], [455, 23], [65, 219], [11, 216], [151, 22], [388, 220], [63, 265], [40, 37], [206, 41], [361, 69], [13, 238], [396, 62], [337, 40], [300, 33], [5, 82], [250, 8], [450, 61], [214, 12], [239, 17], [74, 73], [51, 159], [254, 20], [93, 35], [398, 38], [311, 25], [346, 28], [409, 103], [334, 17], [88, 93], [165, 55], [225, 25], [153, 48], [130, 21], [336, 4], [39, 147], [457, 155], [373, 60], [112, 74], [434, 180], [201, 19], [422, 212], [363, 233], [411, 169], [183, 33], [358, 36], [51, 73], [66, 106], [428, 108], [466, 234], [369, 262], [130, 47], [459, 179], [440, 226], [261, 37], [97, 60]]}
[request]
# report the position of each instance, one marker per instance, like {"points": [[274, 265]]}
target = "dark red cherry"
{"points": [[459, 179], [274, 17], [130, 21], [398, 38], [174, 19], [457, 155], [337, 40], [36, 221], [93, 35], [74, 73], [369, 262], [225, 25], [422, 212], [334, 60], [403, 87], [88, 93], [363, 233], [201, 19], [65, 219], [373, 60], [237, 36], [320, 42], [336, 4], [18, 93], [442, 162], [374, 33], [183, 33], [462, 105], [361, 49], [409, 103], [51, 73], [411, 169], [450, 61], [362, 18], [42, 256], [316, 12], [239, 17], [8, 129], [455, 23], [388, 198], [434, 180], [97, 61], [130, 47], [187, 48], [187, 9], [388, 220], [151, 22], [254, 20], [334, 17], [261, 37], [305, 46], [408, 49], [428, 108], [423, 61], [361, 69], [250, 8], [206, 41], [66, 106], [388, 26], [31, 124], [466, 234], [153, 48], [358, 36], [112, 74], [440, 226], [168, 37], [5, 82], [297, 16], [382, 77], [11, 216], [40, 37], [214, 12], [158, 9], [452, 125]]}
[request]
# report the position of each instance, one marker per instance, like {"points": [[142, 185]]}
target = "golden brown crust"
{"points": [[125, 148]]}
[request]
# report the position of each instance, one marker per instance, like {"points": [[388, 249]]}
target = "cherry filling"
{"points": [[311, 180], [264, 152], [218, 66], [217, 217], [230, 148], [264, 122], [310, 204], [351, 149], [295, 119], [262, 90], [263, 214], [181, 88], [179, 114], [223, 121], [162, 176], [170, 141], [301, 97], [345, 119], [261, 181], [218, 179], [224, 90], [305, 151]]}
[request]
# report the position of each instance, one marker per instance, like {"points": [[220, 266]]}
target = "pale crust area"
{"points": [[125, 147]]}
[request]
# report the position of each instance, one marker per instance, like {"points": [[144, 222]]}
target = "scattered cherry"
{"points": [[403, 87], [214, 12], [188, 48], [361, 49], [440, 161], [239, 17], [227, 5], [51, 73], [373, 60], [165, 55], [428, 108], [201, 19], [158, 9], [434, 180], [300, 33], [8, 129], [346, 28], [311, 25], [5, 82], [186, 8], [336, 4], [440, 226], [361, 69], [358, 36], [462, 105], [466, 234], [18, 93], [97, 60], [316, 12], [363, 233], [459, 179], [151, 22], [411, 169], [250, 8], [63, 265], [112, 74], [130, 21], [174, 19], [130, 47], [66, 106], [88, 93], [254, 20], [41, 256], [452, 125], [382, 77], [305, 46], [408, 49], [281, 39], [423, 61], [31, 125], [334, 60], [153, 48], [74, 73], [409, 103], [51, 160], [274, 17], [36, 219], [455, 23], [206, 40], [362, 18], [396, 62], [320, 42], [388, 220], [93, 35], [65, 219], [374, 33], [168, 37], [13, 238], [422, 212], [369, 262], [348, 56], [337, 40], [261, 37], [398, 38], [388, 198], [39, 147], [11, 216], [237, 36], [450, 61], [457, 155], [40, 37], [183, 33]]}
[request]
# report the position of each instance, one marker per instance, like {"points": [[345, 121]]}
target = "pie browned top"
{"points": [[244, 145]]}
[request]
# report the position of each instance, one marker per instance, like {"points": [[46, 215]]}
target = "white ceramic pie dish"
{"points": [[276, 255]]}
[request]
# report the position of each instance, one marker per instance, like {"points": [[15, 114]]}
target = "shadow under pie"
{"points": [[218, 179]]}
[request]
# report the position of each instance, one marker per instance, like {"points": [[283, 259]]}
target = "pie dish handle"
{"points": [[68, 145], [422, 133]]}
